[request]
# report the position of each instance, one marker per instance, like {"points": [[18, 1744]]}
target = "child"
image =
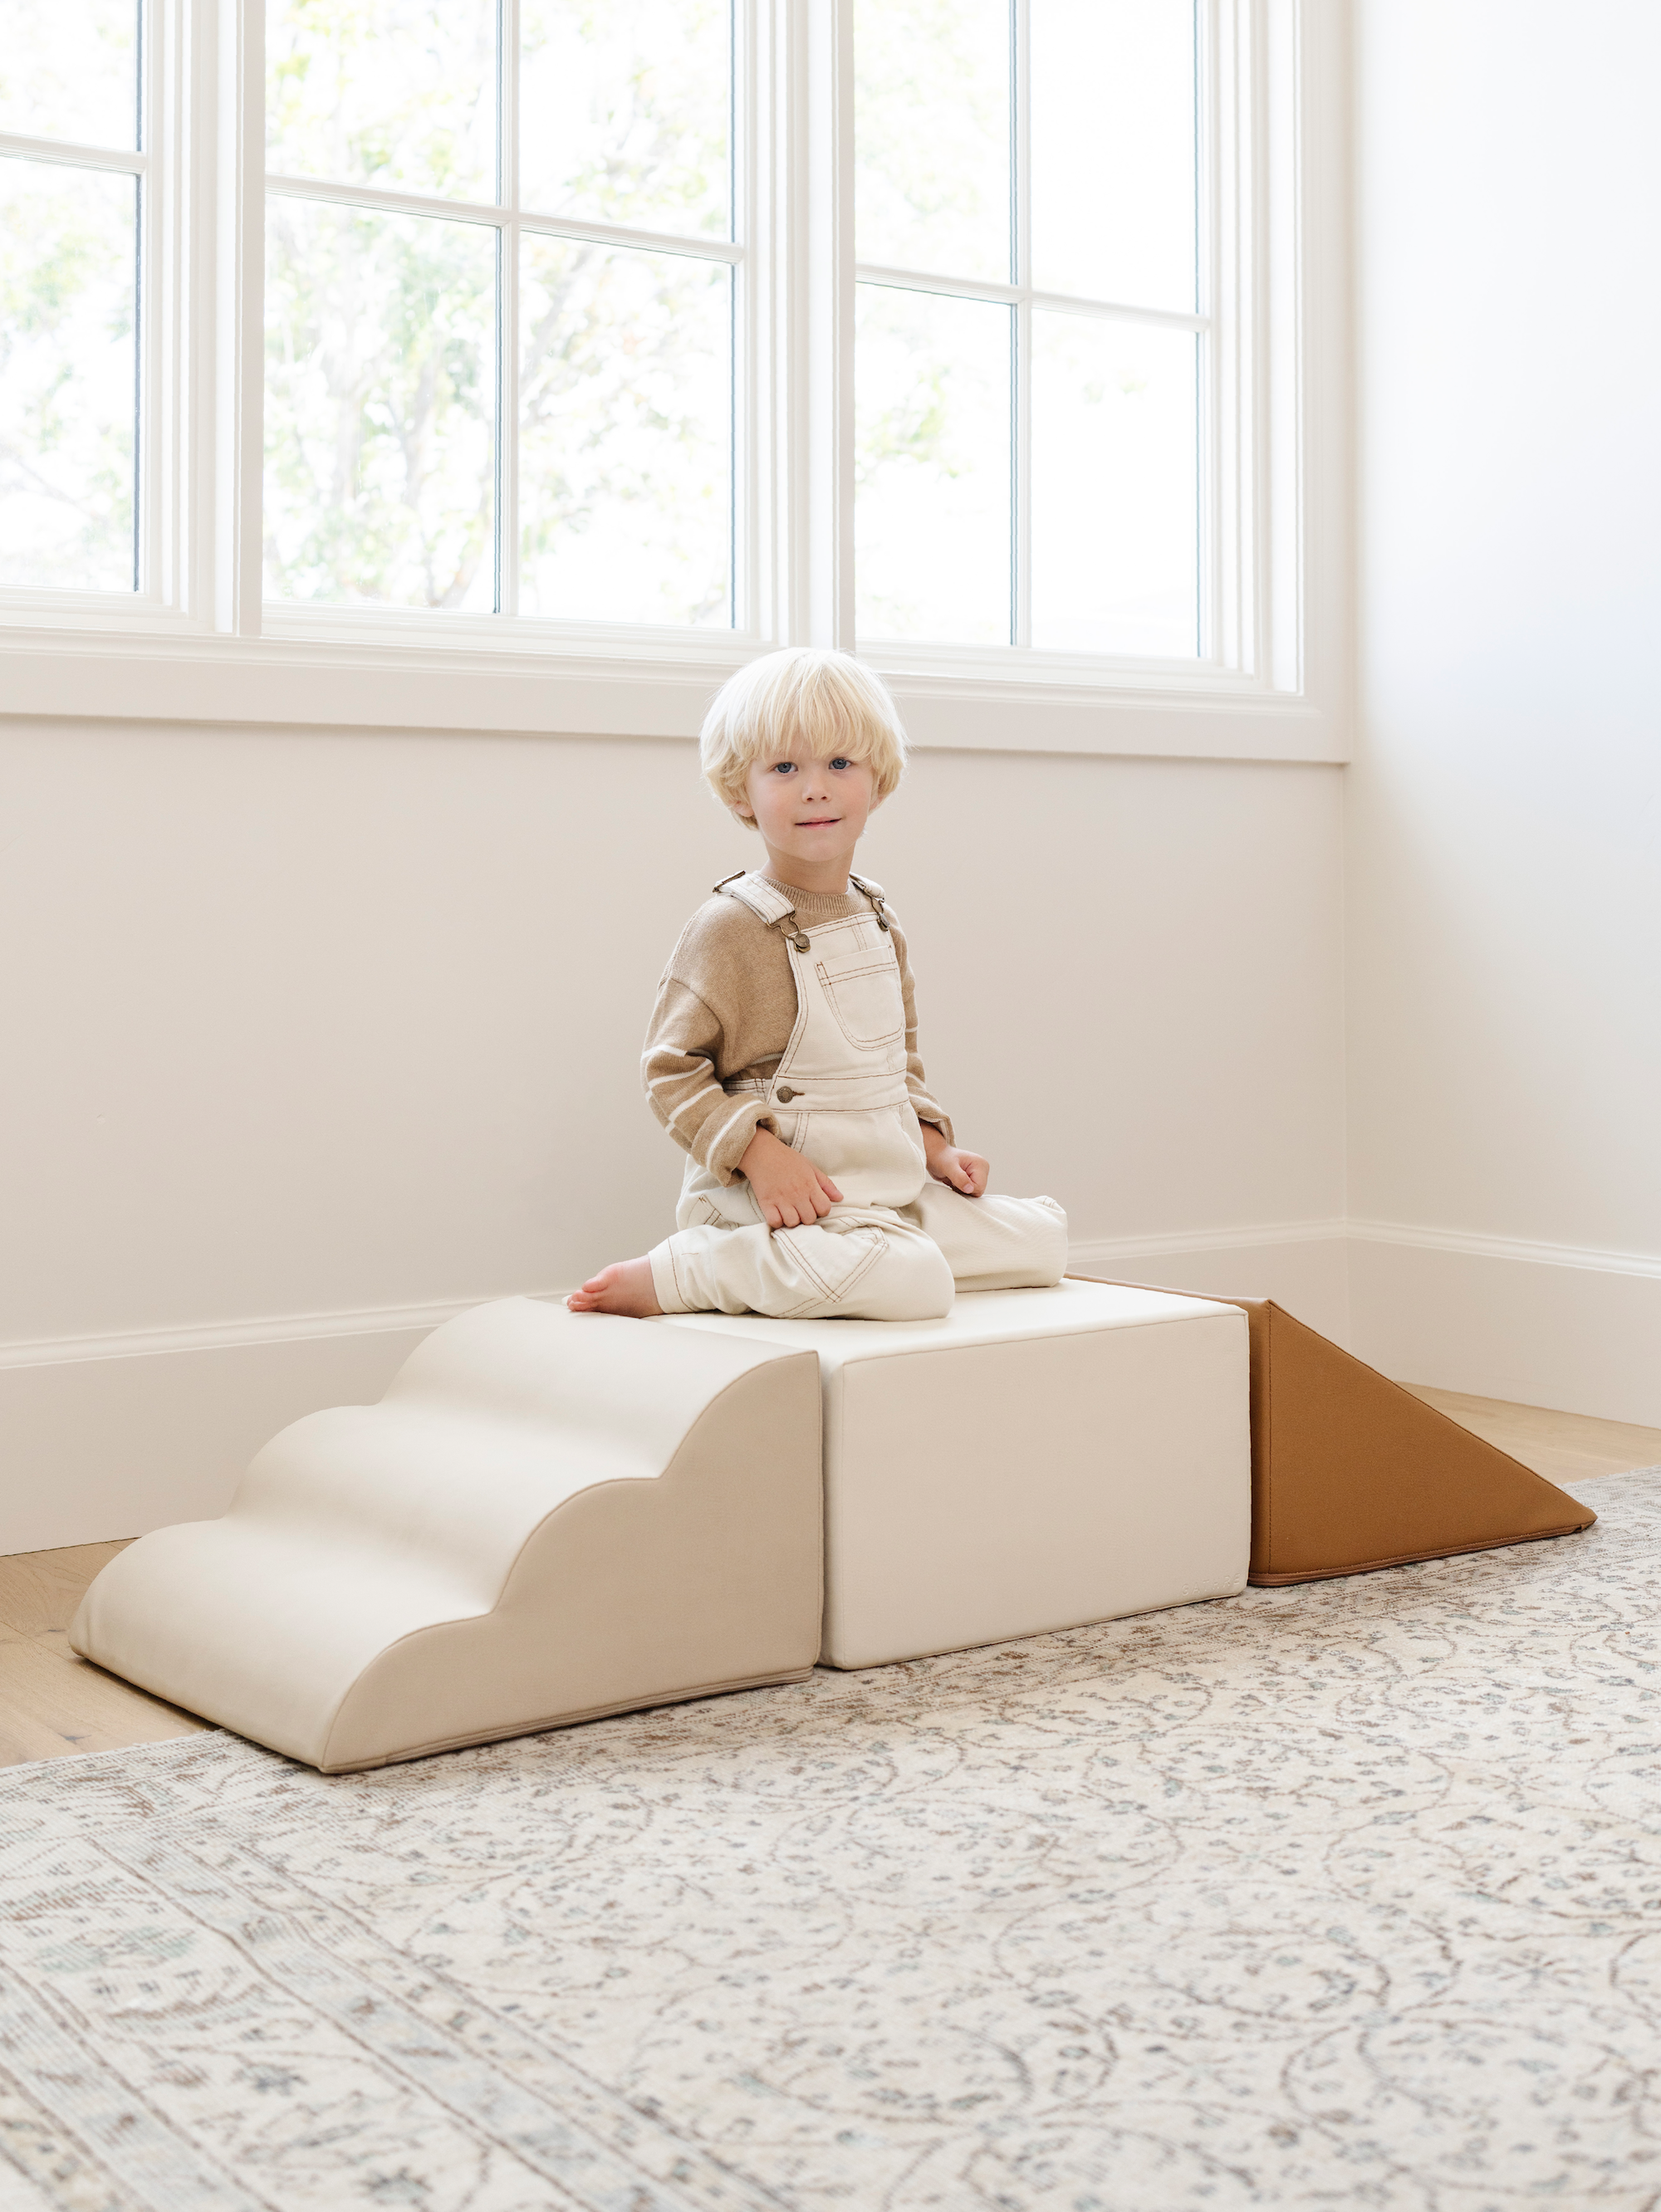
{"points": [[822, 1178]]}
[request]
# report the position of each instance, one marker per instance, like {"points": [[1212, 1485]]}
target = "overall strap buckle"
{"points": [[764, 901], [873, 892]]}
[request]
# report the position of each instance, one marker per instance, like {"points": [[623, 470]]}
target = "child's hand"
{"points": [[791, 1192], [964, 1171]]}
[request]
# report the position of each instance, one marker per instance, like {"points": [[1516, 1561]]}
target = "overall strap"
{"points": [[763, 900], [875, 893]]}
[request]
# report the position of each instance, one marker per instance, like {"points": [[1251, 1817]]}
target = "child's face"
{"points": [[810, 813]]}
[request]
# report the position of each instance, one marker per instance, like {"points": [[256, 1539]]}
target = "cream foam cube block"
{"points": [[1036, 1460], [549, 1517]]}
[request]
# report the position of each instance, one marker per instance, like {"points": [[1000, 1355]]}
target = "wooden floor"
{"points": [[1565, 1448], [53, 1705]]}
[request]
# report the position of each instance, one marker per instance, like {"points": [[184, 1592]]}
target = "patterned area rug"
{"points": [[1345, 1895]]}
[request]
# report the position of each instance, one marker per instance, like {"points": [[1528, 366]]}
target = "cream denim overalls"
{"points": [[898, 1243]]}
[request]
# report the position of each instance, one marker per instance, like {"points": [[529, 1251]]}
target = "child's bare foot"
{"points": [[626, 1287]]}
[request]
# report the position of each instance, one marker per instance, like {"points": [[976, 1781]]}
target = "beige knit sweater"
{"points": [[725, 1008]]}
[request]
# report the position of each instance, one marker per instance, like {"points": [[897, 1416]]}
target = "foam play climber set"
{"points": [[551, 1516]]}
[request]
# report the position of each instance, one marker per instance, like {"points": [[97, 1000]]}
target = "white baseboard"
{"points": [[1301, 1265], [1556, 1325], [1539, 1324], [103, 1447], [111, 1436]]}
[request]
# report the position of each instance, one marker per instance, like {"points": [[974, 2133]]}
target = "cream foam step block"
{"points": [[1036, 1460], [549, 1517]]}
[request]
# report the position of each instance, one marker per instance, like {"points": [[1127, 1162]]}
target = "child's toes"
{"points": [[626, 1287]]}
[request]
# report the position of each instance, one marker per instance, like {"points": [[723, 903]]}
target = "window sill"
{"points": [[400, 684]]}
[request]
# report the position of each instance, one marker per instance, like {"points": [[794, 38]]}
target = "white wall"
{"points": [[315, 1037], [1505, 820]]}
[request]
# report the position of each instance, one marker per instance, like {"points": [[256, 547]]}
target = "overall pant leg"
{"points": [[869, 1265], [993, 1242]]}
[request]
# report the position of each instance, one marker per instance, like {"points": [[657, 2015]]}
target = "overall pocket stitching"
{"points": [[828, 984]]}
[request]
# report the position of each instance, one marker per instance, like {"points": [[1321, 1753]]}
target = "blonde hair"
{"points": [[807, 694]]}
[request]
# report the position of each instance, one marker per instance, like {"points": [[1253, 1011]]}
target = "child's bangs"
{"points": [[806, 697], [829, 717]]}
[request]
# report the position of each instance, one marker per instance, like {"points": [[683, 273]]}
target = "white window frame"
{"points": [[198, 644], [162, 470]]}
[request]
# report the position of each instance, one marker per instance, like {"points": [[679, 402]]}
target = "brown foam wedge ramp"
{"points": [[1350, 1472]]}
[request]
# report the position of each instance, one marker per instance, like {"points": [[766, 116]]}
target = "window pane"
{"points": [[68, 375], [625, 112], [931, 121], [932, 443], [400, 94], [68, 69], [1113, 150], [626, 412], [1114, 544], [380, 407]]}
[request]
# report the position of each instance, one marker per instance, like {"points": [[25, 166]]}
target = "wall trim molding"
{"points": [[1087, 1253], [384, 1321], [1473, 1247], [219, 1336], [1106, 1251]]}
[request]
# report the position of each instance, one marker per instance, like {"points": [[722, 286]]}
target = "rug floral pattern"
{"points": [[1345, 1895]]}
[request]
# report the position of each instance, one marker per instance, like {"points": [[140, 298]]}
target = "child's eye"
{"points": [[840, 762], [784, 768]]}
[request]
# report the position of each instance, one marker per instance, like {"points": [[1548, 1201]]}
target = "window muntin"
{"points": [[72, 167], [482, 397], [1095, 453]]}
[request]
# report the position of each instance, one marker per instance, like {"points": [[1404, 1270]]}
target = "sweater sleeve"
{"points": [[677, 1066]]}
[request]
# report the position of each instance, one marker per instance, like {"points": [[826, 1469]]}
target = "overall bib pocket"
{"points": [[863, 991]]}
